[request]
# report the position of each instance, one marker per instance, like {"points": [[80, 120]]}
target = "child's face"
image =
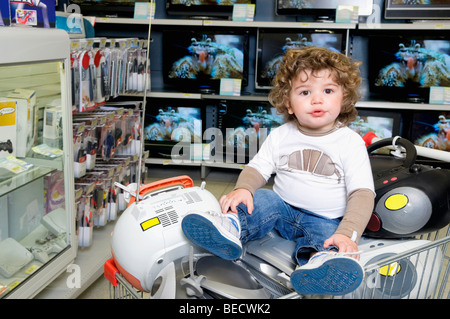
{"points": [[315, 100]]}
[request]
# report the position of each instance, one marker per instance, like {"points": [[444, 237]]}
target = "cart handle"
{"points": [[182, 180], [110, 270]]}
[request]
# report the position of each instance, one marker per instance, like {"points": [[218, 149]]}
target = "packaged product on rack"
{"points": [[132, 115], [78, 191], [144, 81], [85, 212], [123, 177], [74, 75], [100, 196], [121, 120], [113, 59], [101, 81], [107, 68], [86, 77], [110, 172], [90, 139], [79, 150]]}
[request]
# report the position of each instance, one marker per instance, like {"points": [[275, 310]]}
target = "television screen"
{"points": [[431, 129], [244, 125], [166, 125], [106, 8], [203, 7], [430, 9], [321, 9], [273, 44], [405, 67], [197, 60], [384, 124]]}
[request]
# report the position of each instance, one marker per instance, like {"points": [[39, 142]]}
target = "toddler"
{"points": [[323, 193]]}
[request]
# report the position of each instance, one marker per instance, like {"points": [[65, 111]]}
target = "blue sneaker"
{"points": [[216, 232], [328, 273]]}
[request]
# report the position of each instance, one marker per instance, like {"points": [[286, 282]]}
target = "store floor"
{"points": [[218, 182]]}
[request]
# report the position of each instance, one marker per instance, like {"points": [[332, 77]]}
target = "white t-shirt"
{"points": [[316, 173]]}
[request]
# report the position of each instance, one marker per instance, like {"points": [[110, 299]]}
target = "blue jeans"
{"points": [[270, 212]]}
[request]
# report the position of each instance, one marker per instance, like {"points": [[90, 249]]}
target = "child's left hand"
{"points": [[343, 243]]}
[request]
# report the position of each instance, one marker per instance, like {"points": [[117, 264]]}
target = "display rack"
{"points": [[37, 219]]}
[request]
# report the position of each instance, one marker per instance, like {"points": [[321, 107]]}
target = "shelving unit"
{"points": [[37, 233]]}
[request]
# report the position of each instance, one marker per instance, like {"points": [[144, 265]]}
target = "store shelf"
{"points": [[403, 106], [228, 23], [168, 161], [426, 25], [22, 179]]}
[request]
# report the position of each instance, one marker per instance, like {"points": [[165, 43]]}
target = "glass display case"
{"points": [[37, 219]]}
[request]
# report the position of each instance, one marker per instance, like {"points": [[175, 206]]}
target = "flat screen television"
{"points": [[243, 126], [171, 124], [272, 44], [403, 67], [320, 10], [196, 60], [422, 10], [107, 8], [431, 129], [204, 8], [384, 124]]}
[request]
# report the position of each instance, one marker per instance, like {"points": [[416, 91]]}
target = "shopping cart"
{"points": [[119, 287], [419, 273]]}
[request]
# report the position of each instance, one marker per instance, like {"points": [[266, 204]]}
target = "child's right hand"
{"points": [[230, 201]]}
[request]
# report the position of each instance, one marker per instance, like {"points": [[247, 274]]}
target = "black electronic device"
{"points": [[419, 10], [403, 67], [171, 127], [242, 127], [197, 59], [383, 124], [411, 198], [273, 44], [203, 8], [6, 146], [107, 8], [320, 10]]}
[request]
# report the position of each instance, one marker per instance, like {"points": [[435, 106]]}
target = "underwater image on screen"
{"points": [[301, 4], [418, 3], [432, 129], [214, 56], [174, 124], [413, 63], [273, 45], [249, 125], [381, 126]]}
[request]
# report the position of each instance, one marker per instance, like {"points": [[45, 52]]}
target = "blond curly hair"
{"points": [[344, 72]]}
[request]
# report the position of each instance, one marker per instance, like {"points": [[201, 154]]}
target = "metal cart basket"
{"points": [[119, 287], [419, 273]]}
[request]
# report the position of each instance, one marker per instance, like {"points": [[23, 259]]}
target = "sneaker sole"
{"points": [[202, 232], [335, 277]]}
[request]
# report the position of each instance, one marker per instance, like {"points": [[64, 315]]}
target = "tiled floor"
{"points": [[218, 182]]}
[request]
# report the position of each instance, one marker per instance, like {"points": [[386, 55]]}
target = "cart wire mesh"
{"points": [[119, 287], [419, 273]]}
